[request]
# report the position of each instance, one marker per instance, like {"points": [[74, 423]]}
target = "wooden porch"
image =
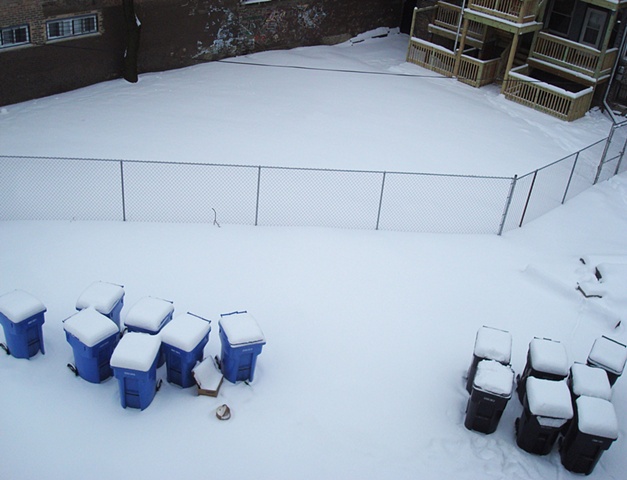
{"points": [[547, 98], [567, 56], [517, 11], [472, 71], [446, 23]]}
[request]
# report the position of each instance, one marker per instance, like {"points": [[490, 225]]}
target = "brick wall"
{"points": [[174, 33]]}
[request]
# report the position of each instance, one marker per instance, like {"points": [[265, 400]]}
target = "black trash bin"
{"points": [[609, 355], [490, 344], [591, 432], [589, 381], [546, 359], [547, 408], [491, 390]]}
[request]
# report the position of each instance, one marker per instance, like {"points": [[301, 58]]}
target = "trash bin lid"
{"points": [[185, 331], [102, 296], [494, 344], [590, 381], [241, 329], [19, 305], [596, 416], [549, 398], [136, 351], [149, 313], [608, 353], [90, 327], [548, 356], [494, 377]]}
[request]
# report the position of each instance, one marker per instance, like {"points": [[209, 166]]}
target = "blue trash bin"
{"points": [[184, 339], [93, 338], [106, 298], [242, 341], [134, 363], [149, 315], [22, 318]]}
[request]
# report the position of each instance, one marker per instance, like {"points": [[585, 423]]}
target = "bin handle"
{"points": [[232, 313], [198, 316]]}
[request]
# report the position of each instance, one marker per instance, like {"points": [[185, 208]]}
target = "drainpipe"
{"points": [[459, 24], [621, 52]]}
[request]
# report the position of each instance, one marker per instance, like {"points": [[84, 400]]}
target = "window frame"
{"points": [[25, 27], [70, 24], [556, 13], [585, 26]]}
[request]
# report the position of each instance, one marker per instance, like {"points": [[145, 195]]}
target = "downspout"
{"points": [[459, 24], [621, 51]]}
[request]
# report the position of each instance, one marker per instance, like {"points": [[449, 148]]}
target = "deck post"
{"points": [[510, 60], [460, 51]]}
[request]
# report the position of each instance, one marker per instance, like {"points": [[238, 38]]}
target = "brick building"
{"points": [[52, 46]]}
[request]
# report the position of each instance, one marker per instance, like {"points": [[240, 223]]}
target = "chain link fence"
{"points": [[36, 188]]}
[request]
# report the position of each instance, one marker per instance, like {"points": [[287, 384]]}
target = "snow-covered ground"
{"points": [[369, 333]]}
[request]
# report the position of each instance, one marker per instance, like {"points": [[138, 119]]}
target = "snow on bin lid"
{"points": [[18, 305], [90, 327], [148, 313], [494, 344], [549, 398], [136, 351], [609, 354], [596, 416], [102, 296], [241, 328], [548, 356], [494, 377], [185, 331], [590, 381]]}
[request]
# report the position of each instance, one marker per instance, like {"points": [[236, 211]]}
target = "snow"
{"points": [[102, 296], [241, 328], [596, 416], [548, 356], [590, 381], [136, 351], [494, 377], [493, 344], [149, 313], [90, 327], [609, 354], [207, 375], [185, 331], [19, 305], [369, 332], [549, 398]]}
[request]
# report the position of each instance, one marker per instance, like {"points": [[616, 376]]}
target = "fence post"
{"points": [[605, 150], [123, 196], [380, 200], [522, 217], [572, 171], [508, 202], [622, 154], [257, 202]]}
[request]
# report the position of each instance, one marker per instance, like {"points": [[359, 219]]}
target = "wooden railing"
{"points": [[519, 11], [574, 56], [545, 97], [472, 71], [447, 16]]}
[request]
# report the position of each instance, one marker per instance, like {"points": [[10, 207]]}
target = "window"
{"points": [[561, 17], [593, 27], [13, 36], [72, 27]]}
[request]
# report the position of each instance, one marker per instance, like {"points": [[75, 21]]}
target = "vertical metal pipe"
{"points": [[508, 202], [572, 171], [605, 150], [380, 201], [622, 153], [123, 196], [257, 202], [522, 218]]}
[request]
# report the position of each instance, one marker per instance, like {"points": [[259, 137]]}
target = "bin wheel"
{"points": [[159, 383], [5, 348], [73, 368], [217, 359], [516, 422]]}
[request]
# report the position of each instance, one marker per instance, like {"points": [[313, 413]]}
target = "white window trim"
{"points": [[15, 44], [589, 13], [93, 16]]}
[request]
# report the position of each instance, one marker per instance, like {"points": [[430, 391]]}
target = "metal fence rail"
{"points": [[38, 188]]}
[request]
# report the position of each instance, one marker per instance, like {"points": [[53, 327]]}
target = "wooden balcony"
{"points": [[438, 59], [517, 11], [446, 23], [572, 59], [547, 98]]}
